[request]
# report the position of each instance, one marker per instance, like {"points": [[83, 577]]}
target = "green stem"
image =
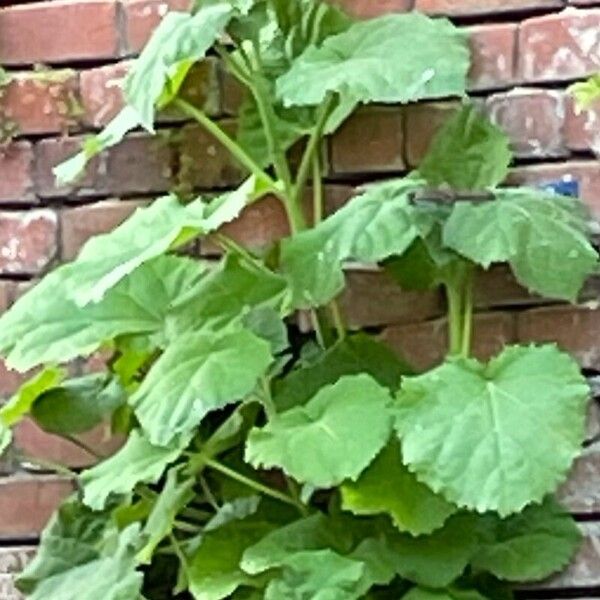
{"points": [[338, 321], [317, 189], [255, 485], [455, 324], [316, 323], [180, 555], [48, 465], [236, 150], [268, 403], [467, 329], [210, 498]]}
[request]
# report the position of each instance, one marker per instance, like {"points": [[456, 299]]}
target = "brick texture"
{"points": [[16, 177], [493, 50], [477, 7], [374, 8]]}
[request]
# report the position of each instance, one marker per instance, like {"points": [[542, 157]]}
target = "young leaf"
{"points": [[46, 326], [542, 236], [389, 59], [468, 153], [138, 461], [586, 92], [483, 416], [528, 546], [198, 373], [334, 437], [354, 355], [387, 486], [78, 405], [453, 593], [379, 223]]}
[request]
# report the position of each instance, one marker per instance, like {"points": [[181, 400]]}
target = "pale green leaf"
{"points": [[419, 593], [387, 486], [377, 224], [586, 92], [388, 59], [44, 325], [198, 373], [483, 416], [266, 323], [468, 153], [138, 461], [334, 437], [529, 546], [5, 438], [542, 235]]}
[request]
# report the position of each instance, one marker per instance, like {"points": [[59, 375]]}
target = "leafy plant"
{"points": [[258, 467]]}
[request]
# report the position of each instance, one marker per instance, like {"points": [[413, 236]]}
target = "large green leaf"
{"points": [[138, 461], [379, 223], [512, 427], [334, 437], [46, 326], [542, 235], [198, 373], [178, 42], [529, 546], [468, 153], [353, 355], [453, 593], [78, 405], [387, 486], [394, 58]]}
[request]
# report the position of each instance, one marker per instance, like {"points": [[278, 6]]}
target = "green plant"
{"points": [[325, 468]]}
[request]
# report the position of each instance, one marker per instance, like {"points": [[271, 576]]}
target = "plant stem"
{"points": [[270, 408], [180, 554], [338, 321], [236, 150], [255, 485], [455, 324], [210, 498], [317, 189], [48, 465], [467, 329]]}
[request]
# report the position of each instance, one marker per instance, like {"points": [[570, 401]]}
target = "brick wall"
{"points": [[66, 58]]}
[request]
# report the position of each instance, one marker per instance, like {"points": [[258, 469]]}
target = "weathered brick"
{"points": [[27, 502], [43, 102], [81, 223], [7, 294], [143, 16], [576, 329], [374, 8], [372, 140], [559, 46], [582, 127], [586, 172], [9, 380], [533, 119], [424, 345], [493, 49], [476, 7], [497, 288], [12, 561], [140, 164], [581, 493], [58, 31], [16, 160], [28, 241], [51, 152], [33, 442]]}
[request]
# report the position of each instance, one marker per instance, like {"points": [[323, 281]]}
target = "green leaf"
{"points": [[419, 593], [387, 486], [389, 59], [78, 405], [334, 437], [138, 461], [180, 40], [483, 416], [468, 153], [542, 235], [46, 326], [379, 560], [20, 404], [379, 223], [266, 323], [354, 355], [586, 92], [197, 374], [529, 546], [5, 438], [176, 494]]}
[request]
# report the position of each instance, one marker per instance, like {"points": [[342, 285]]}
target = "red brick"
{"points": [[581, 493], [533, 119], [143, 16], [101, 94], [493, 49], [16, 159], [7, 294], [10, 380], [140, 164], [559, 46], [586, 172], [424, 345], [373, 8], [51, 152], [79, 224], [33, 443], [371, 140], [582, 127], [28, 241], [12, 561], [475, 7], [576, 329], [27, 502], [41, 102], [58, 31]]}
